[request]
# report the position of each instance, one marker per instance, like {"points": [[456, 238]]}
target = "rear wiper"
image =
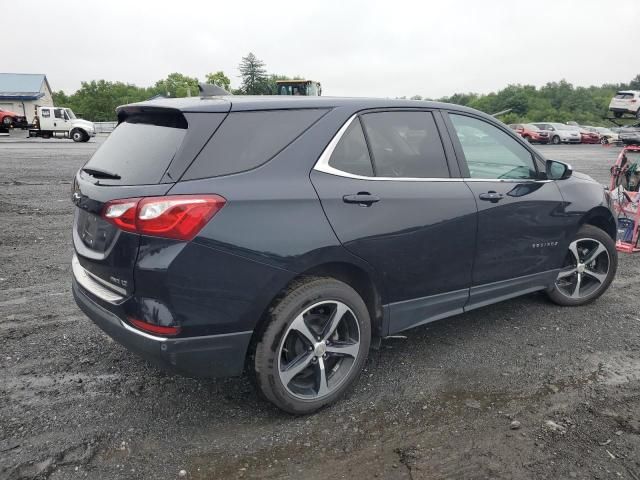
{"points": [[97, 173]]}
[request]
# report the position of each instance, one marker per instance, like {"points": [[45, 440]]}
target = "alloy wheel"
{"points": [[318, 350], [585, 270]]}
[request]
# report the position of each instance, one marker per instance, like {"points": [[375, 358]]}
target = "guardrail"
{"points": [[105, 127]]}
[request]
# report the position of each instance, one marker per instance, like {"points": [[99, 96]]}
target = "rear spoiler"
{"points": [[152, 115]]}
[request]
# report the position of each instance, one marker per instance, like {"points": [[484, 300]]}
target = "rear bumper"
{"points": [[206, 356], [623, 110]]}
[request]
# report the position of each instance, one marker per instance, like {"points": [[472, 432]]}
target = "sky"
{"points": [[354, 48]]}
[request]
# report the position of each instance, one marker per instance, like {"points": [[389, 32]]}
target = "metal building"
{"points": [[23, 92]]}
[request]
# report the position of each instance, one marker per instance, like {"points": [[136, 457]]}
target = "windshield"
{"points": [[292, 89], [603, 130], [70, 113], [531, 126]]}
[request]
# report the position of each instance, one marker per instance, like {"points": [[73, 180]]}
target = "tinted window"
{"points": [[45, 113], [351, 154], [138, 152], [246, 140], [405, 144], [490, 152]]}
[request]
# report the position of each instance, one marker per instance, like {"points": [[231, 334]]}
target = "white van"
{"points": [[60, 122]]}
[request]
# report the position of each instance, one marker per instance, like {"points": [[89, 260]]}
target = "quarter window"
{"points": [[246, 140], [405, 144], [351, 154], [45, 113], [490, 152]]}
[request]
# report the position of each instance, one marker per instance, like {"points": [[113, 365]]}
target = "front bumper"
{"points": [[205, 356]]}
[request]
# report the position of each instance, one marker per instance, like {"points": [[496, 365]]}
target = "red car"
{"points": [[9, 119], [589, 137], [530, 133]]}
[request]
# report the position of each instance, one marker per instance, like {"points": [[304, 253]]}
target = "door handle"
{"points": [[364, 199], [491, 196]]}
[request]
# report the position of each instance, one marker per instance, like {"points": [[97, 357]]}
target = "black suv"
{"points": [[281, 234]]}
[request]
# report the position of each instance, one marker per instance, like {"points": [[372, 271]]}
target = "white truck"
{"points": [[60, 122]]}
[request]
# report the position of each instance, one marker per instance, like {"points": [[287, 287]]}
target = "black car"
{"points": [[630, 134], [279, 235]]}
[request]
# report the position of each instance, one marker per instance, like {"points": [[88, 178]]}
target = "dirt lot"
{"points": [[437, 404]]}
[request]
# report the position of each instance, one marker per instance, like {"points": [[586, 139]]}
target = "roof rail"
{"points": [[208, 90]]}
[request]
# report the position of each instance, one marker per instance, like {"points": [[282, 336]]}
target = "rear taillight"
{"points": [[174, 216], [153, 328]]}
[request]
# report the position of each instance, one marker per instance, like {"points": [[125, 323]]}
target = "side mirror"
{"points": [[558, 170]]}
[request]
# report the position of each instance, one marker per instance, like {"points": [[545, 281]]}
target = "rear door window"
{"points": [[351, 154], [246, 140], [140, 149], [405, 144]]}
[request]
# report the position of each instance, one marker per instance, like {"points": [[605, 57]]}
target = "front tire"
{"points": [[617, 114], [589, 268], [555, 140], [79, 136], [313, 347], [7, 122]]}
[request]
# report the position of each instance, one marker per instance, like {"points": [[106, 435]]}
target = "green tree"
{"points": [[177, 85], [60, 99], [254, 76], [219, 79], [97, 100]]}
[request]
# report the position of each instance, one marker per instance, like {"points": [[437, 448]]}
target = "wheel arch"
{"points": [[602, 218], [353, 275]]}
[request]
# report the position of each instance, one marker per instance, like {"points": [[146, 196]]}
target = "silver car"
{"points": [[560, 133]]}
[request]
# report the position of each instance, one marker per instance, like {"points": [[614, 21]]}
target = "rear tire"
{"points": [[7, 122], [589, 268], [313, 347], [638, 114]]}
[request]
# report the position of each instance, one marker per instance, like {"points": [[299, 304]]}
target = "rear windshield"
{"points": [[624, 95], [140, 149], [246, 140]]}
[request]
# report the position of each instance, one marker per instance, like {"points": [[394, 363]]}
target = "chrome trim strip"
{"points": [[109, 285], [322, 165], [88, 282]]}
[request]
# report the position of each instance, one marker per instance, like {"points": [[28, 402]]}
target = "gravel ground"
{"points": [[522, 389]]}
